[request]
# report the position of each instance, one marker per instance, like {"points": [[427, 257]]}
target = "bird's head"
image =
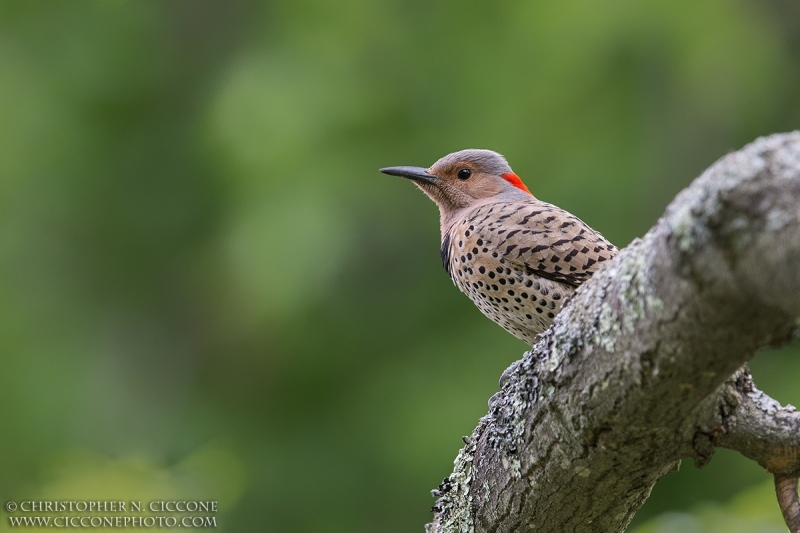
{"points": [[463, 179]]}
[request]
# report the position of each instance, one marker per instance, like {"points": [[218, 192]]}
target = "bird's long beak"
{"points": [[413, 173]]}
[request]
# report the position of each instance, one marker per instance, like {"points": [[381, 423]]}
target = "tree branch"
{"points": [[635, 373], [758, 427]]}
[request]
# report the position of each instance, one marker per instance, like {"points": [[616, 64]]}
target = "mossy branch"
{"points": [[641, 369]]}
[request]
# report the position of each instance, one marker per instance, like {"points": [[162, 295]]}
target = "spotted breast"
{"points": [[520, 262]]}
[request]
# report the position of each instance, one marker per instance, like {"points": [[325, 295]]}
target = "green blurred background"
{"points": [[207, 290]]}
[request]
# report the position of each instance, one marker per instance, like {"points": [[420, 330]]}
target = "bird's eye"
{"points": [[464, 174]]}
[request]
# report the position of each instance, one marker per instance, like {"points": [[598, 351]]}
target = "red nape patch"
{"points": [[514, 180]]}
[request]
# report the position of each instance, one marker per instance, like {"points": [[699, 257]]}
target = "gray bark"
{"points": [[644, 366]]}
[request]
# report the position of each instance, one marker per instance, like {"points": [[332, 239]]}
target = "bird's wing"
{"points": [[544, 240]]}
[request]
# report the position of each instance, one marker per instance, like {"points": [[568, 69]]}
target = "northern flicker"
{"points": [[517, 258]]}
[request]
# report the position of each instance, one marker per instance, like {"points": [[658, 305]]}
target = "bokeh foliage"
{"points": [[208, 291]]}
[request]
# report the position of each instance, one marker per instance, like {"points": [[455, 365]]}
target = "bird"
{"points": [[517, 258]]}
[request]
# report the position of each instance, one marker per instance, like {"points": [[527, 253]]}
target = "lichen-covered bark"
{"points": [[640, 369]]}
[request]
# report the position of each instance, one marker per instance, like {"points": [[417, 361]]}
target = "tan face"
{"points": [[461, 179], [460, 183]]}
